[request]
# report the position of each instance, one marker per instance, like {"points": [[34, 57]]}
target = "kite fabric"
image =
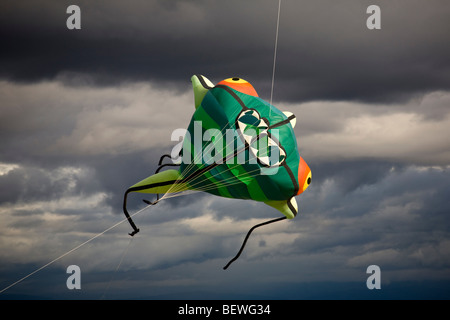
{"points": [[236, 146]]}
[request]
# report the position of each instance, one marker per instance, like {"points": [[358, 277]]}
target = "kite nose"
{"points": [[304, 176], [240, 85]]}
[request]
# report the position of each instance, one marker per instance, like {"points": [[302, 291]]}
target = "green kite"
{"points": [[236, 146]]}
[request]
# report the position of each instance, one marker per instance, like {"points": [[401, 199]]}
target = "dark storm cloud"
{"points": [[86, 114], [325, 50]]}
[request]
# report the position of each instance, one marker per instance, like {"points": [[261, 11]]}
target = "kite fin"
{"points": [[201, 86], [287, 207], [247, 236], [168, 181]]}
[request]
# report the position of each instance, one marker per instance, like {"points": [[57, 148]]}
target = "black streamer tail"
{"points": [[125, 211], [135, 229], [246, 238]]}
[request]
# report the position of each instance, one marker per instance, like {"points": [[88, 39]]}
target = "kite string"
{"points": [[117, 268], [72, 250], [275, 54]]}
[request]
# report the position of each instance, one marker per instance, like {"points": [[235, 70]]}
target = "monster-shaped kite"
{"points": [[236, 146]]}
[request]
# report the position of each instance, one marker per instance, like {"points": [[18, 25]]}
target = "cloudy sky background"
{"points": [[86, 113]]}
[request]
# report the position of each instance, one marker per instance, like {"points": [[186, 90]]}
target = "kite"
{"points": [[236, 146]]}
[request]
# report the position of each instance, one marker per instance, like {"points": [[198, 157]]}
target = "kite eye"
{"points": [[304, 176], [307, 181], [240, 85]]}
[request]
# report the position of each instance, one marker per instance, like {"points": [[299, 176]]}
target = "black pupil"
{"points": [[235, 79], [309, 180]]}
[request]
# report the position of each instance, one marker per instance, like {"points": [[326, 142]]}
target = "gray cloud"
{"points": [[325, 50]]}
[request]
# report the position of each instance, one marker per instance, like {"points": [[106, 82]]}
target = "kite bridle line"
{"points": [[198, 174], [275, 52]]}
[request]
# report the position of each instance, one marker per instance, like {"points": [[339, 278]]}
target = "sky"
{"points": [[84, 114]]}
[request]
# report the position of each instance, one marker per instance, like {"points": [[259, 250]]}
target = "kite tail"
{"points": [[160, 182], [247, 236], [135, 229], [125, 211]]}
